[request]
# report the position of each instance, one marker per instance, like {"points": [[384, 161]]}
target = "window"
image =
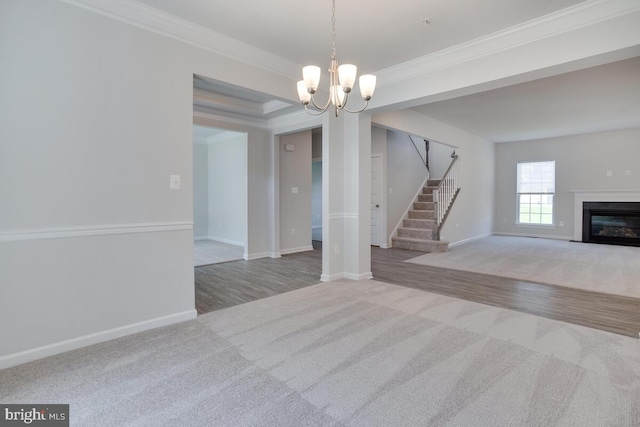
{"points": [[536, 187]]}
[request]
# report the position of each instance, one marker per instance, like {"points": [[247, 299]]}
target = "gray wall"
{"points": [[405, 175], [200, 190], [90, 203], [472, 214], [227, 176], [316, 194], [439, 159], [582, 162], [295, 208]]}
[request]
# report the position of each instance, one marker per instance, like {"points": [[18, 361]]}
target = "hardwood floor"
{"points": [[228, 284]]}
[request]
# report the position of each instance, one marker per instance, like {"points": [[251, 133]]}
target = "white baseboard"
{"points": [[98, 337], [539, 236], [201, 238], [471, 239], [385, 246], [275, 255], [221, 240], [258, 255], [331, 277], [362, 276], [296, 250]]}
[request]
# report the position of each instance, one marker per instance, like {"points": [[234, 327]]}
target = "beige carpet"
{"points": [[602, 268], [346, 354]]}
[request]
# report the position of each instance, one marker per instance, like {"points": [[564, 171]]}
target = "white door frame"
{"points": [[382, 213]]}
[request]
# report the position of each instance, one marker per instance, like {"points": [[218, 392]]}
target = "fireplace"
{"points": [[615, 223]]}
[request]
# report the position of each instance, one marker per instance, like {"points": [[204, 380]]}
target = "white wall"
{"points": [[295, 208], [200, 190], [582, 162], [227, 177], [472, 214], [85, 176]]}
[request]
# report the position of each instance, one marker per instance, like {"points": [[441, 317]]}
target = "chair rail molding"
{"points": [[93, 230]]}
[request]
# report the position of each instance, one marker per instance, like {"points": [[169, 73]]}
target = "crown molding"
{"points": [[578, 16], [294, 122], [149, 18], [158, 21], [239, 121]]}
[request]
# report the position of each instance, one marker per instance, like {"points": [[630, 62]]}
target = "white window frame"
{"points": [[535, 188]]}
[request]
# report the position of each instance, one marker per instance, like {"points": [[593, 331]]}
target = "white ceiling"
{"points": [[595, 99], [376, 35], [373, 34]]}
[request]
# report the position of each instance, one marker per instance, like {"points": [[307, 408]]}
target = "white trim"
{"points": [[98, 337], [93, 230], [362, 276], [343, 215], [385, 246], [296, 250], [539, 236], [565, 20], [249, 257], [253, 123], [331, 277], [315, 227], [294, 122], [275, 255], [160, 22], [581, 196], [406, 212], [200, 238], [221, 240]]}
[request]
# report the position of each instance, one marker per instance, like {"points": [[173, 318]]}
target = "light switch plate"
{"points": [[294, 190], [174, 182]]}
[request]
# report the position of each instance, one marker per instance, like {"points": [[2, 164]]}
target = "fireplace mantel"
{"points": [[581, 196]]}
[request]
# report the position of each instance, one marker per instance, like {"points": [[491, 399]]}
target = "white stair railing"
{"points": [[446, 192]]}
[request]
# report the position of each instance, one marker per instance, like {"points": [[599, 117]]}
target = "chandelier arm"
{"points": [[312, 112], [323, 109], [366, 103]]}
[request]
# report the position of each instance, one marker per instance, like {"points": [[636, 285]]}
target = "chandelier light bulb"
{"points": [[347, 75], [311, 77], [303, 93], [367, 84]]}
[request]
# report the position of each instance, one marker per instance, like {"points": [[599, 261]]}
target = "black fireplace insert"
{"points": [[615, 223]]}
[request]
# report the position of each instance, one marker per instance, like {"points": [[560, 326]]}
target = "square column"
{"points": [[346, 195]]}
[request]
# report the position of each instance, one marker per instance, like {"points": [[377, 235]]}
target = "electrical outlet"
{"points": [[336, 249], [294, 190], [561, 223], [627, 173]]}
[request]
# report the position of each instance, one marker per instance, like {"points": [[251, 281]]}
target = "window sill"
{"points": [[518, 224]]}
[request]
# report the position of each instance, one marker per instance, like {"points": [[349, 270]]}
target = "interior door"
{"points": [[376, 200]]}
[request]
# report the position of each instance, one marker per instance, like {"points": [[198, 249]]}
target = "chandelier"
{"points": [[341, 81]]}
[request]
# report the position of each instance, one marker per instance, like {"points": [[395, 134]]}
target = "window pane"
{"points": [[537, 179]]}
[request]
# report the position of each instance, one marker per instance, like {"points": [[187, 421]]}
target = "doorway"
{"points": [[219, 195]]}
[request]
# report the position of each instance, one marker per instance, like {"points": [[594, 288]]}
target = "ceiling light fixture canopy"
{"points": [[341, 81]]}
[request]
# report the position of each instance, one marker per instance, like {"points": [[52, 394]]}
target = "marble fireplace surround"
{"points": [[597, 196]]}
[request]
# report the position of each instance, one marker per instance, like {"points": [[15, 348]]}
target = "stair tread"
{"points": [[415, 240], [413, 228]]}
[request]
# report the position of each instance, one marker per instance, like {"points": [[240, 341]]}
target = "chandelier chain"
{"points": [[333, 30]]}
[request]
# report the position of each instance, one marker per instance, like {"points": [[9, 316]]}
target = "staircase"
{"points": [[419, 231]]}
